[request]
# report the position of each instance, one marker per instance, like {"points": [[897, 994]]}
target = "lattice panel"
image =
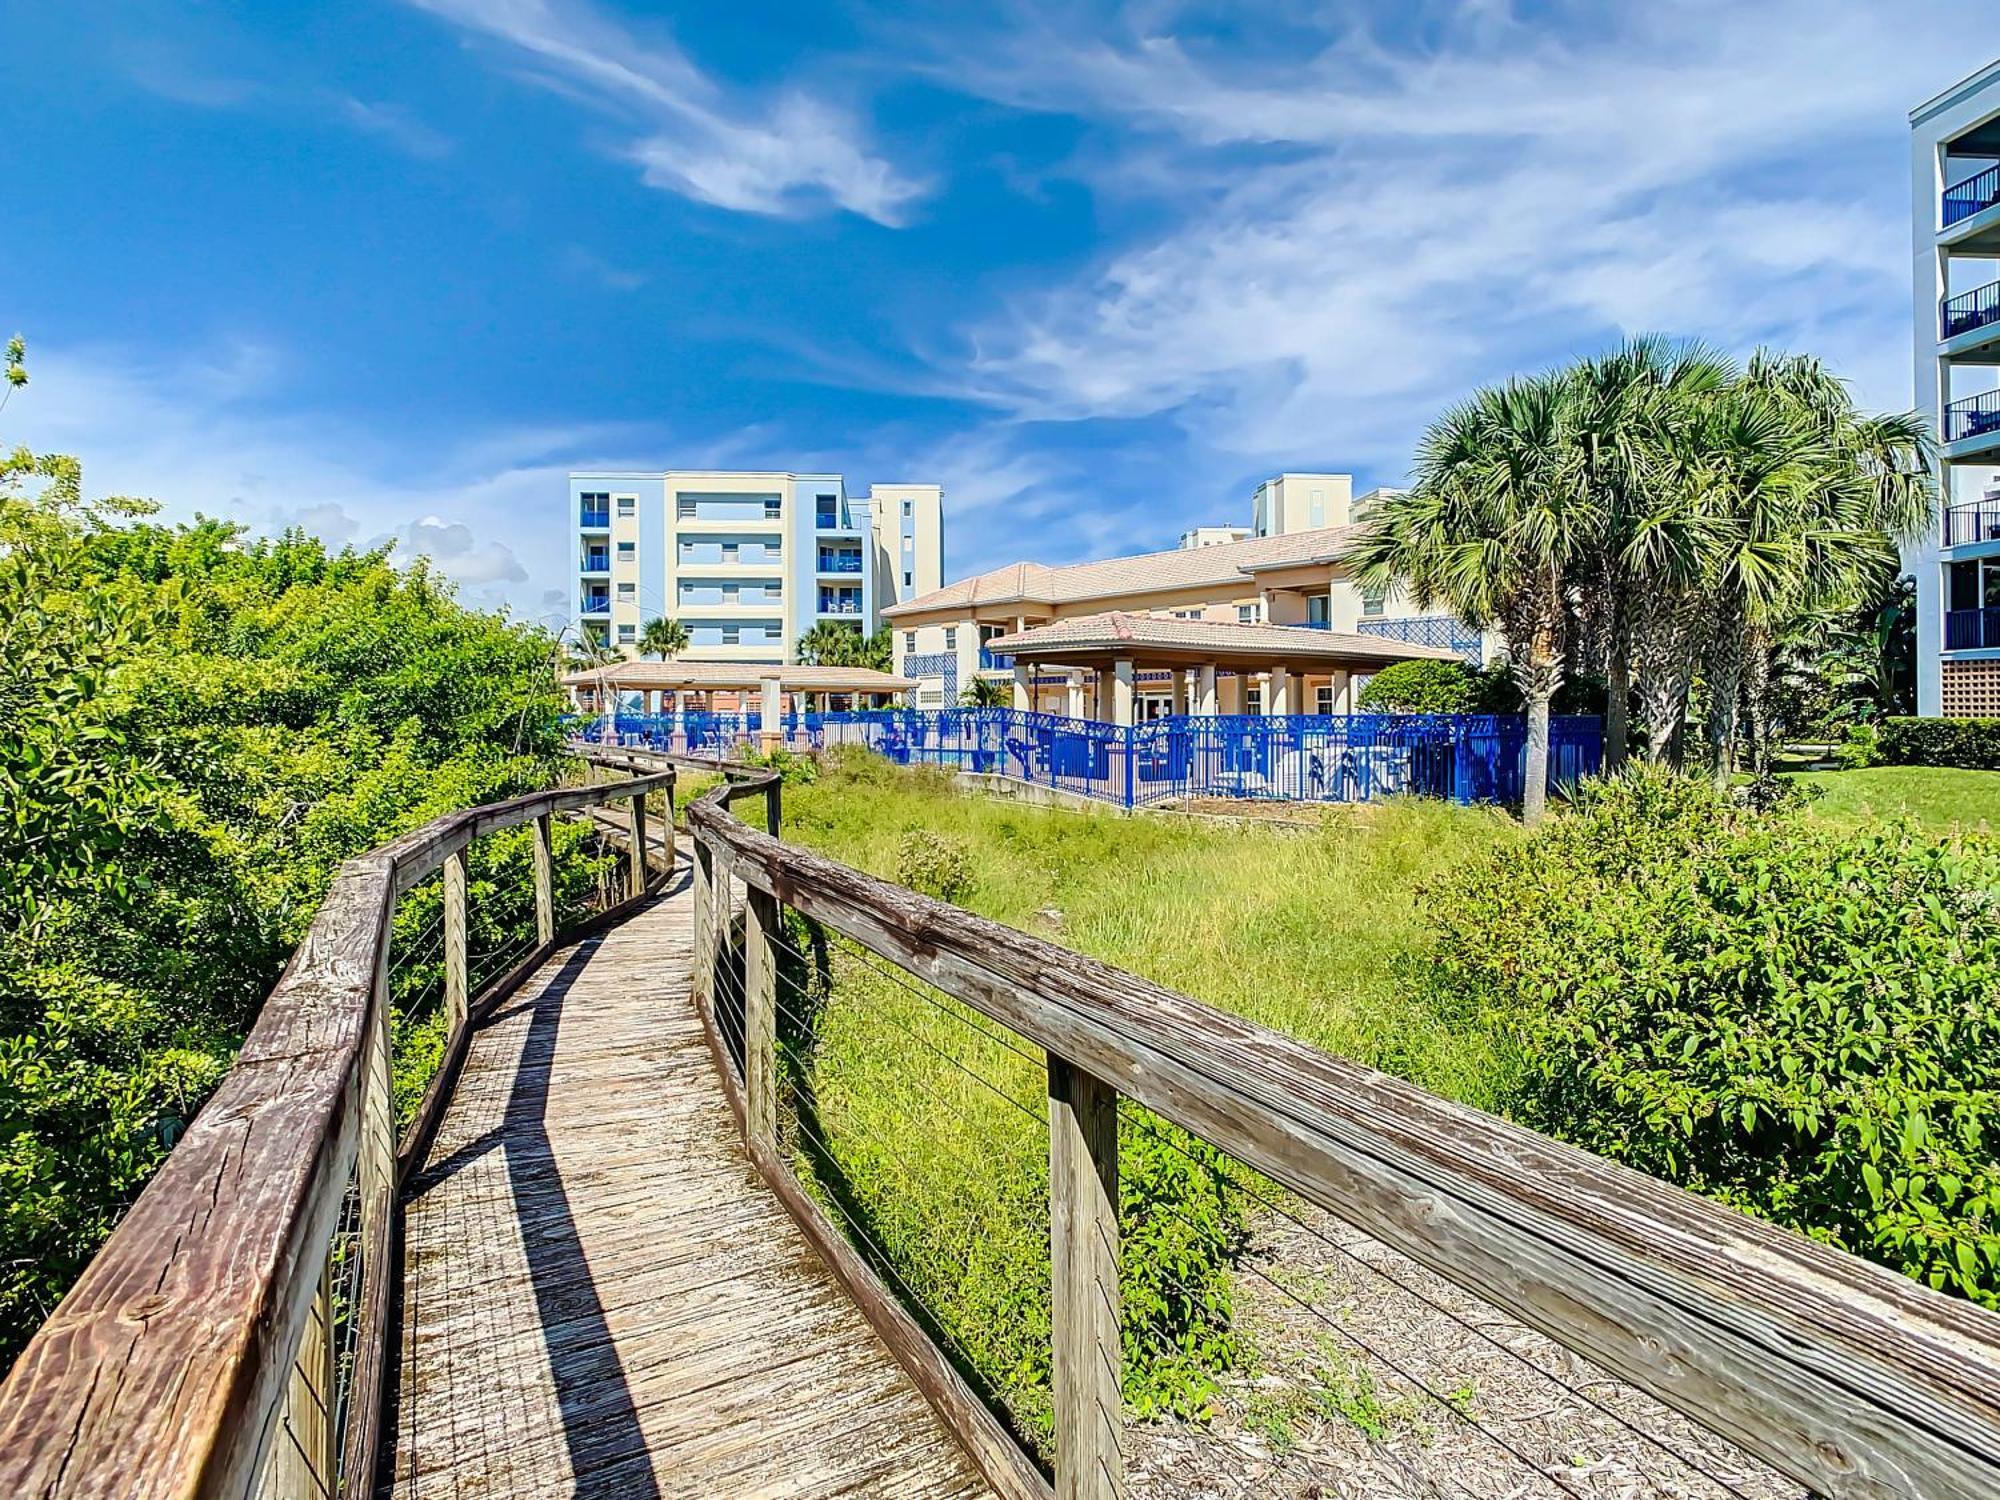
{"points": [[1970, 690]]}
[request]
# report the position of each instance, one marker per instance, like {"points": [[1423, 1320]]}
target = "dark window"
{"points": [[826, 511]]}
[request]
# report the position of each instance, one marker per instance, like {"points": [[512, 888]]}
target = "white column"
{"points": [[1074, 693], [1343, 692], [773, 729], [1121, 690], [1024, 685], [1180, 680], [1280, 701], [1204, 702]]}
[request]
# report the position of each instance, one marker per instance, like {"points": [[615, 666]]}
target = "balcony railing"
{"points": [[1970, 310], [1443, 631], [595, 517], [1975, 416], [840, 607], [596, 604], [596, 562], [1975, 521], [995, 661], [840, 562], [1971, 629], [1974, 195]]}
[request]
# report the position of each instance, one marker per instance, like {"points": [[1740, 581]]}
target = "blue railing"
{"points": [[596, 604], [1974, 195], [1974, 521], [840, 562], [595, 518], [1292, 758], [1971, 629], [1975, 416], [1445, 632], [1969, 310], [995, 661]]}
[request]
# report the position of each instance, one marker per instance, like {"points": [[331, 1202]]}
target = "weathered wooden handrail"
{"points": [[1851, 1379], [175, 1364]]}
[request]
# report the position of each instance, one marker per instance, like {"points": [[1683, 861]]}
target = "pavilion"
{"points": [[733, 685], [1102, 662]]}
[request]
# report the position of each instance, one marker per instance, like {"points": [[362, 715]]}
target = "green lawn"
{"points": [[1939, 798]]}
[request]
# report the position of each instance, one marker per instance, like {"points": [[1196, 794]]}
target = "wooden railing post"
{"points": [[704, 921], [545, 882], [456, 870], [637, 829], [1083, 1234], [761, 929], [774, 819]]}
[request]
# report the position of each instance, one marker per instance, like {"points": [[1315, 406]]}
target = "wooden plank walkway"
{"points": [[601, 1298]]}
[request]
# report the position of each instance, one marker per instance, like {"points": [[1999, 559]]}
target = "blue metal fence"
{"points": [[1292, 758]]}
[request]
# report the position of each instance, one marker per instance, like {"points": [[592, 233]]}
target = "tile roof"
{"points": [[1148, 572], [699, 675], [1117, 628]]}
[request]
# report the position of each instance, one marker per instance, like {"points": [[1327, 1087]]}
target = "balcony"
{"points": [[1975, 521], [595, 562], [994, 661], [1972, 629], [1972, 425], [842, 608], [1974, 195], [1968, 313], [840, 562], [596, 602], [1446, 632]]}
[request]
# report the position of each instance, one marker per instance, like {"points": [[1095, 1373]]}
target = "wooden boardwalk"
{"points": [[601, 1297]]}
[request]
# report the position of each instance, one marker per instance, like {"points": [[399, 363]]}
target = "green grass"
{"points": [[905, 1127], [1939, 798]]}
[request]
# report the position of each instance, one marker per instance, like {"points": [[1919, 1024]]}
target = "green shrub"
{"points": [[793, 768], [1859, 748], [1425, 687], [1797, 1019], [938, 864], [1971, 744]]}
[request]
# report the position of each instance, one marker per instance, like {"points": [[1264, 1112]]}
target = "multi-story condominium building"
{"points": [[748, 562], [1288, 568], [1955, 141]]}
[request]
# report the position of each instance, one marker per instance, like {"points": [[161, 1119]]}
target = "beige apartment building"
{"points": [[1289, 570]]}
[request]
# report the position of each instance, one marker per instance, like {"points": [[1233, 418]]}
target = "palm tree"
{"points": [[663, 638], [986, 692], [1628, 408], [1498, 523], [830, 644]]}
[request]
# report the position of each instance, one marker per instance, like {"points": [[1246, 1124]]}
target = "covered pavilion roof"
{"points": [[710, 676], [1096, 640]]}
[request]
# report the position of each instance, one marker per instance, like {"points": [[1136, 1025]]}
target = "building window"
{"points": [[909, 508], [1250, 614], [1318, 609], [774, 507], [684, 507], [1373, 601], [628, 506], [909, 640], [951, 638], [627, 551], [732, 635], [627, 634], [628, 590], [1323, 699], [909, 579], [729, 552], [826, 511], [1253, 700]]}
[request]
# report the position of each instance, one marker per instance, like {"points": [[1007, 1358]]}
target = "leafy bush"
{"points": [[1971, 744], [1426, 687], [937, 864], [1859, 748], [1797, 1019], [793, 767]]}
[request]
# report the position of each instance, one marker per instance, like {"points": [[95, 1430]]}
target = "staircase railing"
{"points": [[229, 1338], [1849, 1379]]}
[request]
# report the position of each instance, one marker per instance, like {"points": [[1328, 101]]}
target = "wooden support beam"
{"points": [[455, 875], [1083, 1243], [762, 929], [702, 982], [545, 882], [636, 854], [774, 815]]}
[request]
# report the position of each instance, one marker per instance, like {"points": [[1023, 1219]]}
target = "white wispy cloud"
{"points": [[1361, 229], [201, 433], [776, 155]]}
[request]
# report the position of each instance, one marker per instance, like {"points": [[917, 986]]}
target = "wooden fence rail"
{"points": [[1852, 1380], [196, 1356]]}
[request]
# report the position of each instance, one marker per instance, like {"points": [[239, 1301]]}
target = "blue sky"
{"points": [[391, 267]]}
